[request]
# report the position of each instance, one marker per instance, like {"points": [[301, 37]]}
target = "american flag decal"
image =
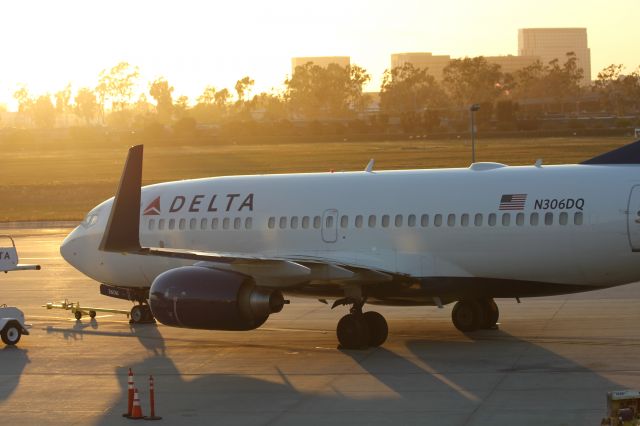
{"points": [[513, 201]]}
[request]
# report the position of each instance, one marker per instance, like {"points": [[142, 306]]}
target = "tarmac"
{"points": [[551, 362]]}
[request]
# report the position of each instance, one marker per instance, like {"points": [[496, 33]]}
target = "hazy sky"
{"points": [[46, 44]]}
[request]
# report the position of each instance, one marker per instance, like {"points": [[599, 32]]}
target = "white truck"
{"points": [[12, 325]]}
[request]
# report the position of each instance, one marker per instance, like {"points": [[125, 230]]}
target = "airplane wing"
{"points": [[122, 236]]}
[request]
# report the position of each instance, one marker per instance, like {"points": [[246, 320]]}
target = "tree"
{"points": [[86, 104], [181, 107], [243, 86], [326, 92], [563, 82], [161, 92], [271, 106], [472, 80], [25, 101], [409, 89], [117, 85], [619, 92], [44, 113], [221, 99], [63, 100]]}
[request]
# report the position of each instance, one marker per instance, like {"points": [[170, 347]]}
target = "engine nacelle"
{"points": [[211, 299]]}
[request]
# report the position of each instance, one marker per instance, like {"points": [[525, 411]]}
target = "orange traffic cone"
{"points": [[130, 395], [152, 401], [136, 414]]}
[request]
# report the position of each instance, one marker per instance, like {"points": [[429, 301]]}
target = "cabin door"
{"points": [[330, 226], [633, 218]]}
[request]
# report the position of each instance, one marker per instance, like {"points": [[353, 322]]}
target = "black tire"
{"points": [[467, 315], [11, 334], [378, 328], [491, 313], [78, 315], [92, 314], [353, 332], [137, 314], [148, 315]]}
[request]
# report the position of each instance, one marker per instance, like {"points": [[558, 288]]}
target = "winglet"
{"points": [[122, 232]]}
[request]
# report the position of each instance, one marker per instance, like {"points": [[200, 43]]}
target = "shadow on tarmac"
{"points": [[13, 360], [492, 378]]}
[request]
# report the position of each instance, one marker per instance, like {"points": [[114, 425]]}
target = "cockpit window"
{"points": [[90, 219]]}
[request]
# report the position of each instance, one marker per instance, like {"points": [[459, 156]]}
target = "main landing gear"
{"points": [[358, 330], [475, 314], [141, 314]]}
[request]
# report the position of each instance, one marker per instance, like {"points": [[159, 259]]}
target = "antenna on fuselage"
{"points": [[369, 167]]}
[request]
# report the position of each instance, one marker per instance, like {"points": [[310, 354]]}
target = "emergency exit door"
{"points": [[330, 226], [633, 218]]}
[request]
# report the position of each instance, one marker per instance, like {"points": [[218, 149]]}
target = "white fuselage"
{"points": [[576, 226]]}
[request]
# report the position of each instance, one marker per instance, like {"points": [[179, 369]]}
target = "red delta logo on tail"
{"points": [[153, 209]]}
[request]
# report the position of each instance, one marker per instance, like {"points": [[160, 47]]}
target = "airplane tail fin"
{"points": [[628, 154], [122, 232]]}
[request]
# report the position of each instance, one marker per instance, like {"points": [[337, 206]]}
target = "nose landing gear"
{"points": [[141, 314], [358, 330]]}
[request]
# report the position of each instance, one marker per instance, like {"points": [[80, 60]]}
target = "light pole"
{"points": [[472, 111]]}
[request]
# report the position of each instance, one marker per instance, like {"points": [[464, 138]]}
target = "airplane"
{"points": [[220, 253]]}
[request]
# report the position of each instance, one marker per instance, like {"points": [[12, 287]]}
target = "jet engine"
{"points": [[211, 299]]}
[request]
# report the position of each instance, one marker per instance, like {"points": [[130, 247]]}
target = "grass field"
{"points": [[63, 183]]}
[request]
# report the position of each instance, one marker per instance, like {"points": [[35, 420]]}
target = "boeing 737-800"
{"points": [[219, 253]]}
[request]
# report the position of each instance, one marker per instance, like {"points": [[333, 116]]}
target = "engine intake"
{"points": [[211, 299]]}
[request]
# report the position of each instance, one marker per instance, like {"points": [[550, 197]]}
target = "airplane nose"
{"points": [[69, 248]]}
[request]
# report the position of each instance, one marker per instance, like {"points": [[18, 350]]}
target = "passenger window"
{"points": [[477, 221], [329, 222], [248, 223], [424, 220], [451, 220], [271, 223], [152, 224], [372, 221], [411, 220], [385, 221], [317, 222], [305, 222], [577, 218], [464, 220], [183, 223], [564, 218], [237, 223], [548, 218], [344, 221], [225, 223], [283, 222], [520, 219], [161, 224], [359, 221], [172, 223], [203, 223], [398, 221], [437, 220], [294, 222], [506, 219], [193, 222], [492, 219], [214, 223], [533, 220]]}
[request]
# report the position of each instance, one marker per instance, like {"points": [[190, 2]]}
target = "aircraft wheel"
{"points": [[137, 314], [378, 328], [491, 313], [78, 315], [10, 334], [353, 332], [467, 315], [148, 315], [92, 314]]}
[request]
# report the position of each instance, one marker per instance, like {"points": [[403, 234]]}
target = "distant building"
{"points": [[434, 63], [510, 63], [554, 43], [322, 61]]}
